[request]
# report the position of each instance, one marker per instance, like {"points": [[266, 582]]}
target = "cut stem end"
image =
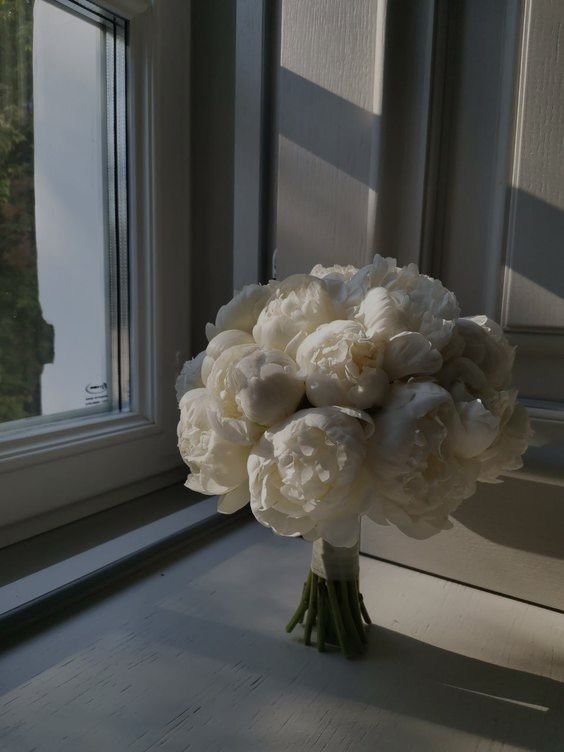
{"points": [[334, 610]]}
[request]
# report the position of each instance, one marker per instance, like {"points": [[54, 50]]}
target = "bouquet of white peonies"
{"points": [[341, 393]]}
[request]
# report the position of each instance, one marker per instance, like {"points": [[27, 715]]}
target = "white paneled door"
{"points": [[434, 132]]}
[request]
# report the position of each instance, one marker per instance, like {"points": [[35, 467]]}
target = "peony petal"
{"points": [[342, 366], [379, 314], [190, 377], [342, 532], [208, 487], [473, 429], [234, 500], [236, 430], [368, 426], [243, 310], [219, 344], [267, 386], [192, 482], [298, 306], [409, 354]]}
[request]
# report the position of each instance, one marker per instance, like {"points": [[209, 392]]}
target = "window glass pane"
{"points": [[57, 320]]}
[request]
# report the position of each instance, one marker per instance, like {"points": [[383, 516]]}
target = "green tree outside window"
{"points": [[26, 339]]}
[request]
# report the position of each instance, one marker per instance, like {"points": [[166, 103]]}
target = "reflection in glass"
{"points": [[26, 339]]}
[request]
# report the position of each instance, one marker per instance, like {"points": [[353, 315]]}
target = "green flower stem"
{"points": [[336, 610], [303, 594], [322, 614], [348, 621], [312, 610], [302, 608], [365, 614], [342, 636], [354, 603]]}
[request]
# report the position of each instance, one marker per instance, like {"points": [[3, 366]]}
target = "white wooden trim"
{"points": [[410, 50], [251, 20], [43, 566], [378, 64], [72, 512], [508, 538], [82, 462]]}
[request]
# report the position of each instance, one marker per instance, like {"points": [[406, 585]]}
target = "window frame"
{"points": [[54, 473]]}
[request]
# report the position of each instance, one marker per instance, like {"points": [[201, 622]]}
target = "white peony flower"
{"points": [[221, 342], [486, 347], [418, 478], [382, 272], [336, 278], [462, 378], [190, 377], [384, 314], [380, 312], [382, 338], [298, 306], [472, 429], [342, 366], [217, 466], [423, 304], [266, 386], [514, 435], [411, 354], [227, 417], [253, 388], [243, 310], [307, 475], [429, 307]]}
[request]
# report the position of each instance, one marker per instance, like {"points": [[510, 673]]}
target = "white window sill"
{"points": [[193, 655], [44, 573]]}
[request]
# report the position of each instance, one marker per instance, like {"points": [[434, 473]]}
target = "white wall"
{"points": [[329, 102]]}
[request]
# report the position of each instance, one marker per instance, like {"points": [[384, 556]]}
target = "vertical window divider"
{"points": [[118, 256], [113, 247], [121, 174]]}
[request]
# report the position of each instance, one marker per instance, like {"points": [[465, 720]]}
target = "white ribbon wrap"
{"points": [[333, 563]]}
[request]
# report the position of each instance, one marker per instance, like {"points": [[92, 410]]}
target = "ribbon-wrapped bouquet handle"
{"points": [[331, 602]]}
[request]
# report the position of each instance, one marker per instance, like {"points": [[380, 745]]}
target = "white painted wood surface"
{"points": [[194, 657], [494, 236], [54, 474], [248, 149], [533, 289], [212, 133], [33, 569], [407, 110], [500, 216], [329, 102], [506, 538], [534, 285]]}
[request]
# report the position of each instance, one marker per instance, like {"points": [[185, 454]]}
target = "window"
{"points": [[63, 214], [94, 319]]}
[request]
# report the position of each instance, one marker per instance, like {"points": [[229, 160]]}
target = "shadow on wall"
{"points": [[337, 131], [517, 515], [211, 141], [323, 136], [328, 151], [537, 251]]}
